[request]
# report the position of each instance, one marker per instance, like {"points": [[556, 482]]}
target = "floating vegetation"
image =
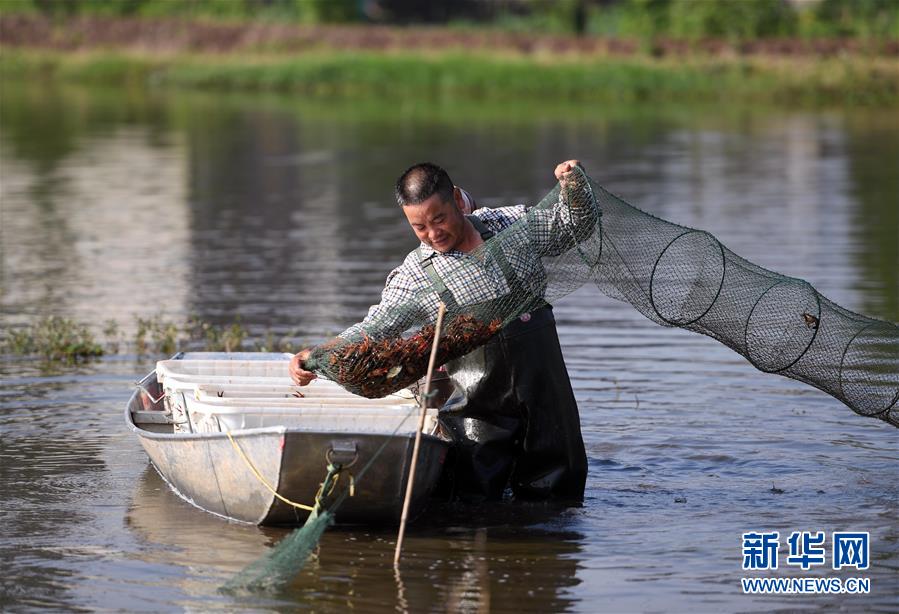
{"points": [[55, 339], [270, 343], [112, 336], [213, 338], [163, 336], [59, 339]]}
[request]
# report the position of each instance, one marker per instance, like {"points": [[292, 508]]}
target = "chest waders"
{"points": [[513, 416]]}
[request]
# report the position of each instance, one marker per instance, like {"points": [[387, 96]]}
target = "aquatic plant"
{"points": [[163, 335], [271, 343], [58, 339], [54, 338], [215, 339], [112, 336]]}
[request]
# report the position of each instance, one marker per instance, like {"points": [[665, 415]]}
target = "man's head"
{"points": [[432, 205]]}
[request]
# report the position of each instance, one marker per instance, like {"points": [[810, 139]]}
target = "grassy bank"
{"points": [[859, 80]]}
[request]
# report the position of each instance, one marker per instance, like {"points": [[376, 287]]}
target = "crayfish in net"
{"points": [[374, 369]]}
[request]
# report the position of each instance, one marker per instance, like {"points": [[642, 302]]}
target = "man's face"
{"points": [[439, 225]]}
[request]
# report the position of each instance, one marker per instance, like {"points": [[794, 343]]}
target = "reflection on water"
{"points": [[453, 566], [123, 204], [875, 185]]}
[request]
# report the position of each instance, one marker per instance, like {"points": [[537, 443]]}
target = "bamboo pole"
{"points": [[421, 423]]}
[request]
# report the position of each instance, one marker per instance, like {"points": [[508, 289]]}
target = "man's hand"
{"points": [[564, 170], [298, 374]]}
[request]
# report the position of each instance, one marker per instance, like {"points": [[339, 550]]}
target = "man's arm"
{"points": [[399, 310], [572, 217], [298, 374], [564, 170], [400, 307]]}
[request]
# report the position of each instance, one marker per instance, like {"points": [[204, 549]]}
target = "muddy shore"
{"points": [[203, 36]]}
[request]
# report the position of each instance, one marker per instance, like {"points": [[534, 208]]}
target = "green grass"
{"points": [[845, 80]]}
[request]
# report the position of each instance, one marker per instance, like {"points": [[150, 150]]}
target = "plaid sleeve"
{"points": [[569, 221], [403, 304]]}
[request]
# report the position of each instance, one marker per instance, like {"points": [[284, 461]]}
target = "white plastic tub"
{"points": [[318, 388], [179, 378], [223, 371], [218, 417], [218, 395], [292, 396]]}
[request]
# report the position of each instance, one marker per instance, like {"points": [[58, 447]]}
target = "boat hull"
{"points": [[226, 477]]}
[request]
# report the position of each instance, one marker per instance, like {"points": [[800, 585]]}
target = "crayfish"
{"points": [[375, 368]]}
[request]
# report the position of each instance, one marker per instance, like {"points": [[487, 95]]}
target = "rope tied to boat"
{"points": [[264, 482], [278, 566], [325, 489]]}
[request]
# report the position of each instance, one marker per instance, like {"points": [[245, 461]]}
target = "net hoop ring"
{"points": [[720, 281], [874, 414], [811, 340], [589, 261]]}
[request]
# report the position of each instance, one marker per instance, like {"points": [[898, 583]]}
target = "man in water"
{"points": [[513, 416]]}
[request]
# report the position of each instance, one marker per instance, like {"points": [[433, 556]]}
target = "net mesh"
{"points": [[673, 275], [274, 570]]}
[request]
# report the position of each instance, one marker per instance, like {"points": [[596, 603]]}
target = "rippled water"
{"points": [[124, 204]]}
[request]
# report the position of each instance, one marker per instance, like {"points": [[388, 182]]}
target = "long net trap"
{"points": [[673, 275]]}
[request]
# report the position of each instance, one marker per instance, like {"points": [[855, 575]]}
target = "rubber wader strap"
{"points": [[479, 225], [427, 265], [532, 302]]}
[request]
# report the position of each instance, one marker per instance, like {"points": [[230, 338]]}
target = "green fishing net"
{"points": [[673, 275], [274, 570]]}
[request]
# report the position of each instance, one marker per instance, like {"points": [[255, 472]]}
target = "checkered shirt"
{"points": [[409, 299]]}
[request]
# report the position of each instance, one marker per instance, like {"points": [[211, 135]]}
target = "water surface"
{"points": [[279, 211]]}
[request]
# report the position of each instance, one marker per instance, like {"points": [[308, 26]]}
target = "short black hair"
{"points": [[421, 181]]}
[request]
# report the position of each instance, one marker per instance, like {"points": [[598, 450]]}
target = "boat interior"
{"points": [[215, 396]]}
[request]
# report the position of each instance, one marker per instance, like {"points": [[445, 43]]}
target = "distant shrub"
{"points": [[315, 11], [746, 19], [853, 18], [688, 19]]}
